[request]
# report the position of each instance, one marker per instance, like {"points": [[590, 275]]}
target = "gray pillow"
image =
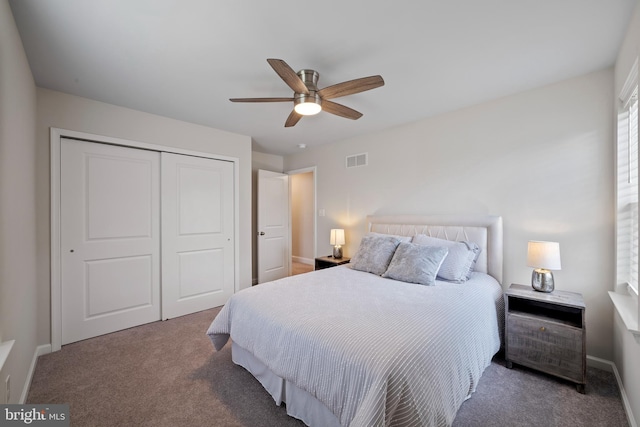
{"points": [[416, 263], [460, 261], [375, 253]]}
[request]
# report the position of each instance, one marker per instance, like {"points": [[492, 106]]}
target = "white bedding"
{"points": [[374, 351]]}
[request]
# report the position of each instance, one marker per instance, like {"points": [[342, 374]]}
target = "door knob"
{"points": [[261, 233]]}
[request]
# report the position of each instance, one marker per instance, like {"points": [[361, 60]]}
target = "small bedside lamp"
{"points": [[337, 240], [543, 257]]}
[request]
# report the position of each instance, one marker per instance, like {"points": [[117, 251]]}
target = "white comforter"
{"points": [[375, 351]]}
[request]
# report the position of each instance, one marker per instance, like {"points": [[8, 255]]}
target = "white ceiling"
{"points": [[185, 58]]}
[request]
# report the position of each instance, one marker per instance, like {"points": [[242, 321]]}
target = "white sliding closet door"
{"points": [[197, 233], [110, 238]]}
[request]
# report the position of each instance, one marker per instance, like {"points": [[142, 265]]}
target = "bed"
{"points": [[348, 347]]}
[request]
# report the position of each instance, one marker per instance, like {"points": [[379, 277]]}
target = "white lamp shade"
{"points": [[337, 236], [543, 255]]}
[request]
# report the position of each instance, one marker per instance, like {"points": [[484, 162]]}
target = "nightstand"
{"points": [[547, 332], [329, 261]]}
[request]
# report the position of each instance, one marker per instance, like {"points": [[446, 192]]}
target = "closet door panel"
{"points": [[108, 280], [197, 233], [110, 238], [196, 270]]}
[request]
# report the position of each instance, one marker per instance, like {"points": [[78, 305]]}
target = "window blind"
{"points": [[627, 188], [633, 181]]}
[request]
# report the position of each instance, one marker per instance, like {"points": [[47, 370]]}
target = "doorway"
{"points": [[303, 219]]}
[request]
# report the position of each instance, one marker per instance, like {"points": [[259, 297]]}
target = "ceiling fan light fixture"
{"points": [[308, 108], [308, 105], [308, 99]]}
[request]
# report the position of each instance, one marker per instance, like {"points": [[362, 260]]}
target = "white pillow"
{"points": [[459, 263], [375, 253], [416, 263]]}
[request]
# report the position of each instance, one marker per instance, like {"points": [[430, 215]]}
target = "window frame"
{"points": [[627, 186], [627, 191]]}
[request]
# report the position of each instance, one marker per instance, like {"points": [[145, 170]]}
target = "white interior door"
{"points": [[274, 252], [197, 234], [110, 238]]}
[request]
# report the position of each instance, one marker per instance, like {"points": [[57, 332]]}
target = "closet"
{"points": [[144, 235]]}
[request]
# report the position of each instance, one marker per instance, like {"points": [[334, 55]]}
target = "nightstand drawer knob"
{"points": [[542, 328]]}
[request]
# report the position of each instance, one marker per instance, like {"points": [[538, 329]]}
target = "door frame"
{"points": [[315, 207], [55, 135]]}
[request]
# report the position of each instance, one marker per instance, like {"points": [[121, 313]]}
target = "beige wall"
{"points": [[18, 251], [302, 216], [626, 348], [268, 162], [541, 159], [56, 109]]}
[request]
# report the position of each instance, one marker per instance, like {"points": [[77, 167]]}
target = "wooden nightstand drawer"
{"points": [[546, 331], [547, 346]]}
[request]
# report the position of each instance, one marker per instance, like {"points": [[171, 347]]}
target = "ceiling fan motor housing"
{"points": [[310, 80]]}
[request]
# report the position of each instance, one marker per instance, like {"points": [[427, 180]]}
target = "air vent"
{"points": [[357, 160]]}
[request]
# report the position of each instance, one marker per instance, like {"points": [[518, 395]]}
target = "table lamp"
{"points": [[543, 257], [337, 240]]}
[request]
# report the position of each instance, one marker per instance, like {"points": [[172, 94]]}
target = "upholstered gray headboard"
{"points": [[483, 230]]}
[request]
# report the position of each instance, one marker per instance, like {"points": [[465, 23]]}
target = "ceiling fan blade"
{"points": [[289, 76], [340, 110], [292, 119], [260, 99], [351, 87]]}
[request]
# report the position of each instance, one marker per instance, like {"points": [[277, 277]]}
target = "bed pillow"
{"points": [[460, 261], [375, 253], [415, 263]]}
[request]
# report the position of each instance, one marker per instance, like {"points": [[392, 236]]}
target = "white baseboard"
{"points": [[607, 365], [40, 350], [303, 260], [625, 399], [598, 363]]}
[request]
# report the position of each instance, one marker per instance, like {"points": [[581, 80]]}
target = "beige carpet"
{"points": [[299, 268], [155, 375], [168, 374]]}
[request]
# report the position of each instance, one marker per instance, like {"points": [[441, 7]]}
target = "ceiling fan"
{"points": [[308, 99]]}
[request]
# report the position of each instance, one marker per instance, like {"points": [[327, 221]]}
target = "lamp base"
{"points": [[337, 252], [542, 280]]}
